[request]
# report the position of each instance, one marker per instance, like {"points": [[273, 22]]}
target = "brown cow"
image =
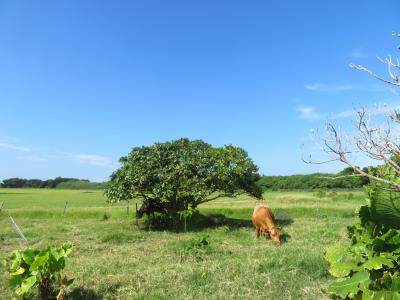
{"points": [[264, 220]]}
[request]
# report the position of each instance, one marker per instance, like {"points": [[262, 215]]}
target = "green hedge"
{"points": [[81, 185]]}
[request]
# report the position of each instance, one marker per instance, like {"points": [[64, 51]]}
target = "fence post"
{"points": [[137, 222], [14, 224], [127, 211], [185, 224], [65, 209]]}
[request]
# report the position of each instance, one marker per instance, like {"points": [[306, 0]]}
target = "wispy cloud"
{"points": [[378, 109], [8, 138], [311, 114], [15, 147], [358, 53], [319, 87], [32, 158], [383, 109], [344, 114], [92, 159], [308, 113]]}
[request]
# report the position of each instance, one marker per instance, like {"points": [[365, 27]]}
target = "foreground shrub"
{"points": [[369, 268], [196, 247], [39, 268]]}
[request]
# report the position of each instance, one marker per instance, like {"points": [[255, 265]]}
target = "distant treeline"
{"points": [[271, 183], [58, 182], [312, 182]]}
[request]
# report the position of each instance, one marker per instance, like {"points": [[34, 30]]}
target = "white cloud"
{"points": [[308, 113], [15, 147], [318, 87], [92, 159], [344, 114]]}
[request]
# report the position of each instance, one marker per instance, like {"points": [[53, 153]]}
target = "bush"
{"points": [[196, 247], [39, 268], [369, 268]]}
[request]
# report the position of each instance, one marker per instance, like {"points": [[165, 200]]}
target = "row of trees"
{"points": [[35, 183], [314, 181], [265, 183]]}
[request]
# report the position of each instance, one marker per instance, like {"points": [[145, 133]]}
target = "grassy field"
{"points": [[113, 258]]}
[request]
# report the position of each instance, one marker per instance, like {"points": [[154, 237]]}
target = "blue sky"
{"points": [[82, 82]]}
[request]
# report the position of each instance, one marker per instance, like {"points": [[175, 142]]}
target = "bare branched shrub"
{"points": [[376, 136]]}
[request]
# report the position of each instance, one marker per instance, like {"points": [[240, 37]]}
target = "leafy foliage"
{"points": [[177, 175], [38, 268], [369, 268], [384, 204], [196, 247]]}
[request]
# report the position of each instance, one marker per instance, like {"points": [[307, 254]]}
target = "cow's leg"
{"points": [[265, 233], [258, 232]]}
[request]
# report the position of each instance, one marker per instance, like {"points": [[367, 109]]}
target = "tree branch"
{"points": [[374, 142], [200, 201], [362, 68], [370, 142]]}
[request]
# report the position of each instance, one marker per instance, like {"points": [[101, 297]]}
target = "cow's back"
{"points": [[263, 216]]}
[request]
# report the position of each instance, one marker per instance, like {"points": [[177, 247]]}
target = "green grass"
{"points": [[115, 259]]}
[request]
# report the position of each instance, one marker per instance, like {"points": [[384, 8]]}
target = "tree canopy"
{"points": [[182, 174]]}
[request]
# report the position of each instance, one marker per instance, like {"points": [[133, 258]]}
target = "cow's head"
{"points": [[145, 208], [139, 214], [275, 234], [149, 207]]}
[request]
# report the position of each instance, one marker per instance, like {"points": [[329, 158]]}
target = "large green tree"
{"points": [[174, 176]]}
